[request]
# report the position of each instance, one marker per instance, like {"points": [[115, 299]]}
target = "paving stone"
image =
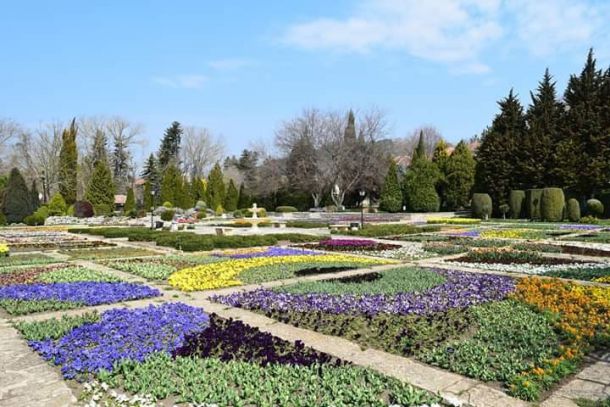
{"points": [[585, 389], [598, 372], [557, 401]]}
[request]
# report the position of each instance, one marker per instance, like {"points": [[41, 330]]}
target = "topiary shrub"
{"points": [[83, 209], [504, 209], [219, 210], [533, 200], [573, 210], [168, 205], [285, 209], [168, 215], [141, 213], [238, 214], [102, 210], [552, 204], [481, 206], [595, 208], [201, 215], [516, 201], [57, 206]]}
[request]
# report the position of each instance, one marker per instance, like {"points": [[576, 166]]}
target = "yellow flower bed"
{"points": [[511, 234], [455, 221], [225, 274], [4, 250], [605, 279]]}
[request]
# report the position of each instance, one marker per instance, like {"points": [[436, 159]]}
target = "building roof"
{"points": [[120, 199]]}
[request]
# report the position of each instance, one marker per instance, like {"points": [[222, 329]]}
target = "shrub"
{"points": [[481, 206], [573, 210], [83, 209], [200, 205], [604, 198], [102, 210], [201, 215], [141, 213], [238, 214], [2, 219], [504, 208], [57, 206], [516, 200], [168, 205], [219, 210], [391, 230], [533, 199], [38, 217], [589, 219], [552, 204], [168, 215], [17, 202], [284, 209], [595, 208]]}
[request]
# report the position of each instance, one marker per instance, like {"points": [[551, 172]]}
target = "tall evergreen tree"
{"points": [[350, 129], [583, 130], [244, 200], [148, 198], [100, 190], [460, 170], [68, 158], [170, 146], [420, 149], [34, 197], [232, 197], [17, 203], [537, 153], [440, 157], [170, 185], [498, 159], [419, 185], [130, 202], [99, 151], [391, 194], [216, 188]]}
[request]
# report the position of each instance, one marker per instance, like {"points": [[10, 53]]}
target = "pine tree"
{"points": [[130, 202], [583, 131], [498, 157], [100, 190], [170, 185], [420, 149], [216, 187], [460, 171], [244, 199], [350, 129], [232, 197], [419, 186], [148, 196], [68, 158], [99, 152], [544, 115], [440, 157], [34, 197], [391, 194], [182, 194], [17, 203], [170, 146], [150, 172]]}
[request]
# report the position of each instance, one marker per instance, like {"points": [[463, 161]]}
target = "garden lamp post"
{"points": [[362, 193], [152, 211]]}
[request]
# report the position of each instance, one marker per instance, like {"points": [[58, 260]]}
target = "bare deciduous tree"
{"points": [[200, 150], [406, 145], [122, 134]]}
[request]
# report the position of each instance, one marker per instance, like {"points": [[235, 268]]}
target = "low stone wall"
{"points": [[96, 221]]}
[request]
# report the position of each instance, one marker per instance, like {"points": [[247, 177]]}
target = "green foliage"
{"points": [[34, 199], [130, 201], [170, 146], [580, 273], [68, 159], [419, 186], [148, 270], [459, 175], [3, 221], [148, 196], [219, 210], [238, 214], [573, 210], [245, 201], [168, 215], [391, 194], [391, 230], [482, 206], [516, 200], [100, 190], [54, 328], [440, 157], [232, 197], [286, 209], [274, 272], [74, 274], [533, 203], [112, 253], [57, 206], [216, 187], [23, 307], [38, 217], [173, 189], [504, 209], [552, 204], [17, 203], [595, 208]]}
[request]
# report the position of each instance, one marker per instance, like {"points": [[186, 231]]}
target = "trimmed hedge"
{"points": [[390, 230], [190, 242], [168, 215], [482, 206], [533, 200], [604, 198], [285, 209], [552, 204], [595, 208], [516, 200], [573, 210]]}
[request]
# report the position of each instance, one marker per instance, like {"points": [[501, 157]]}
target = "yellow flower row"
{"points": [[225, 274], [605, 279], [4, 249], [509, 233]]}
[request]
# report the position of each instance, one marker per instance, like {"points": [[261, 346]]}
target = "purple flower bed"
{"points": [[579, 227], [271, 252], [85, 292], [122, 334], [460, 290], [468, 233], [355, 243]]}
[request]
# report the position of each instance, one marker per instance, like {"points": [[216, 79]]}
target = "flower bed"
{"points": [[27, 298], [509, 233], [52, 274], [454, 221], [4, 250], [160, 268], [32, 239], [114, 253], [178, 352], [26, 260], [349, 245], [390, 230], [271, 251], [226, 274]]}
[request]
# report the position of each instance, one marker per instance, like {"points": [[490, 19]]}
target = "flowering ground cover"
{"points": [[112, 253], [62, 273], [227, 273], [160, 268], [26, 260], [26, 239], [492, 328], [177, 352], [596, 237], [368, 247]]}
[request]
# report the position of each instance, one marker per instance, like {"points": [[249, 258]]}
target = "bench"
{"points": [[223, 231], [278, 224], [342, 227]]}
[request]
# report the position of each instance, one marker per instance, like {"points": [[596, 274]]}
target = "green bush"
{"points": [[481, 206], [70, 211], [573, 210], [533, 200], [516, 200], [168, 215], [57, 206], [168, 204], [201, 214], [284, 209], [238, 214], [604, 198], [595, 208], [391, 230], [102, 210], [504, 209], [552, 204], [2, 219]]}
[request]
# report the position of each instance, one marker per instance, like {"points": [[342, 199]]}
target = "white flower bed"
{"points": [[95, 221], [526, 268], [412, 250]]}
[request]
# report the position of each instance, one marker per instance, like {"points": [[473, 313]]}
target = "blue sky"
{"points": [[240, 67]]}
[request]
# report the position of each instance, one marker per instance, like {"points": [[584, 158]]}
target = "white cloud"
{"points": [[230, 64], [458, 32], [181, 81]]}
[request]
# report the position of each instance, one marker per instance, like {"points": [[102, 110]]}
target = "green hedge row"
{"points": [[390, 230], [190, 242]]}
